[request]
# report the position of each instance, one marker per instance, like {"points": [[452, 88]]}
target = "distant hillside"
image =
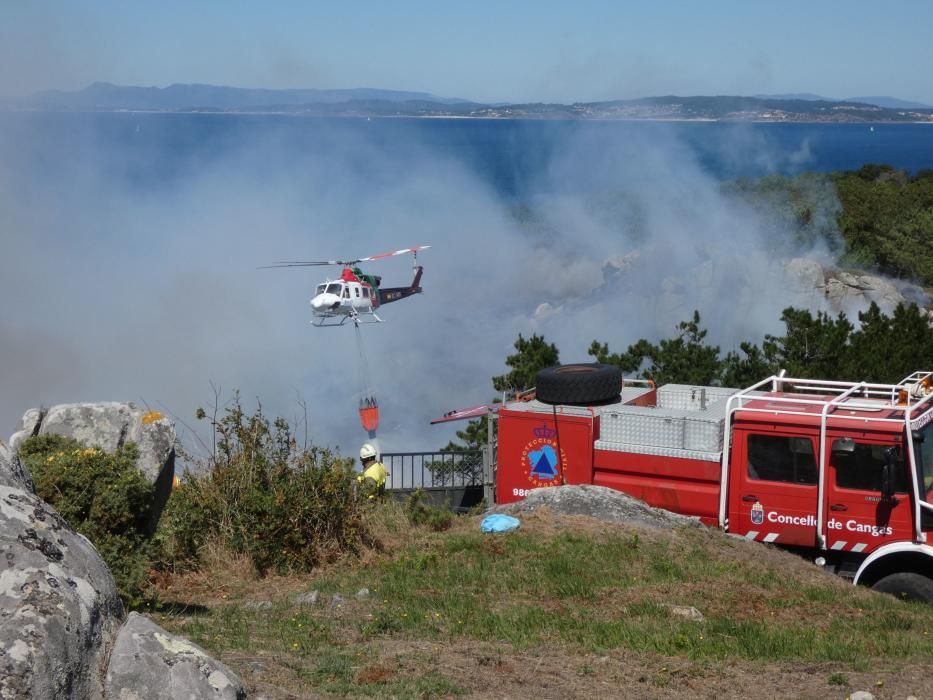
{"points": [[739, 108], [364, 102], [106, 96], [795, 96], [890, 102], [879, 101]]}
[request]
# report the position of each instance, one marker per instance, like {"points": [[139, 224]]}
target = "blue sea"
{"points": [[511, 157]]}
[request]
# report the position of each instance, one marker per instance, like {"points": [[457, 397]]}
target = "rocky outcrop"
{"points": [[12, 472], [843, 286], [148, 663], [851, 291], [597, 502], [110, 425], [60, 612], [805, 273], [60, 632], [59, 608]]}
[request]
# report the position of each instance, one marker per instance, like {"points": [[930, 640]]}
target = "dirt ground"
{"points": [[488, 671]]}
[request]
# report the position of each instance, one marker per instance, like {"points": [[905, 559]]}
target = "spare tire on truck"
{"points": [[578, 385]]}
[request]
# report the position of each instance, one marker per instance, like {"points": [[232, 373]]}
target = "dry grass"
{"points": [[227, 575], [566, 607]]}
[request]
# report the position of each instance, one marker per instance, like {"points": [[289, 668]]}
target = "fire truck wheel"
{"points": [[581, 384], [907, 586]]}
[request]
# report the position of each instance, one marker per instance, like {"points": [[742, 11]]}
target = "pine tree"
{"points": [[531, 356]]}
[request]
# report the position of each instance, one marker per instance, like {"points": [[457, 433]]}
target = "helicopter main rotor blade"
{"points": [[394, 252], [316, 263], [306, 263]]}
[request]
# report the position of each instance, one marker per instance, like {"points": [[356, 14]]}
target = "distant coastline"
{"points": [[467, 117], [377, 103]]}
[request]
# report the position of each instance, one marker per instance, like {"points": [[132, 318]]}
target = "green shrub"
{"points": [[187, 524], [287, 509], [420, 513], [101, 495]]}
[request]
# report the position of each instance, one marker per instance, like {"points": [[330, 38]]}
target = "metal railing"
{"points": [[433, 470]]}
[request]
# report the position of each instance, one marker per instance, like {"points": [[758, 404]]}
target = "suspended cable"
{"points": [[369, 408]]}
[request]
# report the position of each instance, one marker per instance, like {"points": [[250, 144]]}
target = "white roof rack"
{"points": [[904, 398]]}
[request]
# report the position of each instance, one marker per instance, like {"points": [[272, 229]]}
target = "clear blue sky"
{"points": [[509, 50]]}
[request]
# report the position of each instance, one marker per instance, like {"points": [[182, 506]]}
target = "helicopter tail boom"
{"points": [[390, 294]]}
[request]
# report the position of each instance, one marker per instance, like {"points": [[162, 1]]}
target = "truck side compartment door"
{"points": [[773, 489]]}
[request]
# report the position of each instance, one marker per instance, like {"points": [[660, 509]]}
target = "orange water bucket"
{"points": [[369, 415]]}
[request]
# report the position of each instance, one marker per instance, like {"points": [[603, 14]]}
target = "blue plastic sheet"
{"points": [[497, 522]]}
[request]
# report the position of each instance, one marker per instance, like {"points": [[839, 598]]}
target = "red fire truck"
{"points": [[839, 471]]}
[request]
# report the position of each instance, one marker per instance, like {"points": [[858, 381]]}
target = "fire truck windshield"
{"points": [[923, 448]]}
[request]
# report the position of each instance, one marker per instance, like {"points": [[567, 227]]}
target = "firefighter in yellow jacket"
{"points": [[373, 479]]}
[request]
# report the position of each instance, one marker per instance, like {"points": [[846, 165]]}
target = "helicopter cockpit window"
{"points": [[320, 289], [334, 289]]}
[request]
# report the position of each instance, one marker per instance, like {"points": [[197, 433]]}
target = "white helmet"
{"points": [[367, 451]]}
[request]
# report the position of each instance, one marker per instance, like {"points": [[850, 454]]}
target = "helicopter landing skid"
{"points": [[357, 318]]}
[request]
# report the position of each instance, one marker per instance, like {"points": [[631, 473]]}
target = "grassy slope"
{"points": [[563, 607]]}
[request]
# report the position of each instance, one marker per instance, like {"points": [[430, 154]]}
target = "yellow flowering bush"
{"points": [[101, 495], [151, 417]]}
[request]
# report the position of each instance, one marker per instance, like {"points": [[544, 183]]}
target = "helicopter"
{"points": [[355, 295]]}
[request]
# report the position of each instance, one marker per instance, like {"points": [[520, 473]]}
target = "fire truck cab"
{"points": [[839, 471]]}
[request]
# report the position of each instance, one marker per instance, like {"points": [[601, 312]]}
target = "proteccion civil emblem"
{"points": [[539, 457]]}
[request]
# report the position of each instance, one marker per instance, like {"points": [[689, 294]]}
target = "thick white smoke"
{"points": [[679, 244], [119, 284]]}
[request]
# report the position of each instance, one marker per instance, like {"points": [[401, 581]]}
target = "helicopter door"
{"points": [[356, 295], [367, 298]]}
